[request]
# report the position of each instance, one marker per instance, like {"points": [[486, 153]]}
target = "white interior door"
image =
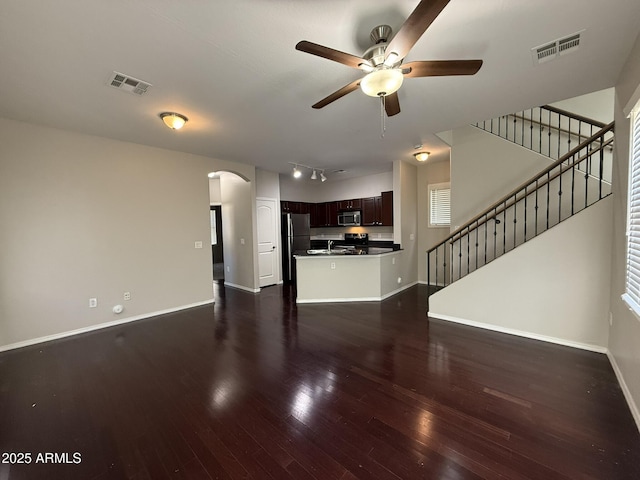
{"points": [[267, 214]]}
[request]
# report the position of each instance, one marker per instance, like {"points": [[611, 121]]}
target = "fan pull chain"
{"points": [[383, 127]]}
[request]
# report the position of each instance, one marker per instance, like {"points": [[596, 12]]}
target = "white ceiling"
{"points": [[231, 67]]}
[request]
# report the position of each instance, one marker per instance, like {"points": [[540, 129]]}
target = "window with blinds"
{"points": [[632, 295], [440, 205]]}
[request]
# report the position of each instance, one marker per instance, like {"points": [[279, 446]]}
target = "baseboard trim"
{"points": [[521, 333], [357, 299], [100, 326], [398, 290], [339, 300], [635, 412], [242, 287]]}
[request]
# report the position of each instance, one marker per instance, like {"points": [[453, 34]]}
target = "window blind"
{"points": [[633, 225], [440, 204]]}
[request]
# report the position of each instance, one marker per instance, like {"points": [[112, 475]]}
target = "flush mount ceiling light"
{"points": [[421, 156], [383, 82], [173, 120]]}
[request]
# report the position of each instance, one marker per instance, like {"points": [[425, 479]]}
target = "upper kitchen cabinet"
{"points": [[354, 204], [386, 209], [378, 210], [326, 214]]}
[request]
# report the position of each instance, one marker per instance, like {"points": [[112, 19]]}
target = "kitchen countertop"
{"points": [[340, 251]]}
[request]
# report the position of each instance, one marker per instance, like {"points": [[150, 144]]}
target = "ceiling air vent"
{"points": [[127, 83], [552, 50]]}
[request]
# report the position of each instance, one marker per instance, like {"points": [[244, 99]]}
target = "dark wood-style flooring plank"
{"points": [[257, 387]]}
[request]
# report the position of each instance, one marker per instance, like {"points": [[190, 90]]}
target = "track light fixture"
{"points": [[314, 171]]}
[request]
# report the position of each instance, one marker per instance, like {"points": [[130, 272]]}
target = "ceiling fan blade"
{"points": [[392, 104], [338, 94], [436, 68], [331, 54], [413, 28]]}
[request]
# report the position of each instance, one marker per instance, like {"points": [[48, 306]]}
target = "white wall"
{"points": [[238, 211], [484, 168], [85, 216], [314, 191], [405, 223], [624, 337], [596, 106], [267, 184], [553, 287], [436, 170]]}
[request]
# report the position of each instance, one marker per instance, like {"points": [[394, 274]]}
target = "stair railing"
{"points": [[546, 130], [572, 183]]}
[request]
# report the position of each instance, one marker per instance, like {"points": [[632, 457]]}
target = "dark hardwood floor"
{"points": [[257, 387]]}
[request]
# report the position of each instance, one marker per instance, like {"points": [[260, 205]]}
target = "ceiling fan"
{"points": [[382, 62]]}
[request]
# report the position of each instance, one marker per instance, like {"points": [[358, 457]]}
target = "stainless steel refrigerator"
{"points": [[295, 238]]}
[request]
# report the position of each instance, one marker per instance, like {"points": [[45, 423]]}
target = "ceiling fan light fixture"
{"points": [[382, 82], [421, 156], [174, 121]]}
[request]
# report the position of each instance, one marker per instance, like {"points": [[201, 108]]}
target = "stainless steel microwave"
{"points": [[349, 218]]}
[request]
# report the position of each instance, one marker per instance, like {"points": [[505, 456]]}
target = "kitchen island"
{"points": [[344, 275]]}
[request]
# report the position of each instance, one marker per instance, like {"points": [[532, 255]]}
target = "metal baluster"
{"points": [[460, 257], [541, 130], [560, 194], [468, 251], [536, 212], [601, 166], [548, 197], [504, 227], [525, 213], [515, 211], [586, 176], [559, 121], [486, 219], [477, 228], [495, 232], [428, 265], [573, 182]]}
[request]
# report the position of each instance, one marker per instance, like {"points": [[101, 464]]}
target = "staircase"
{"points": [[580, 152]]}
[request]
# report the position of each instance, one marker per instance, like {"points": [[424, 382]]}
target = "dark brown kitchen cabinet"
{"points": [[386, 209], [353, 204], [326, 214], [371, 211], [378, 210]]}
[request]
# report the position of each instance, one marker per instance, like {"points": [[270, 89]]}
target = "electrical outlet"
{"points": [[127, 295], [93, 302], [242, 241], [610, 319], [228, 268], [198, 244], [393, 261], [333, 265]]}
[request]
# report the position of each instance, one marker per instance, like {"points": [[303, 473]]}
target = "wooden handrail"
{"points": [[517, 190], [552, 127], [574, 116], [538, 184]]}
